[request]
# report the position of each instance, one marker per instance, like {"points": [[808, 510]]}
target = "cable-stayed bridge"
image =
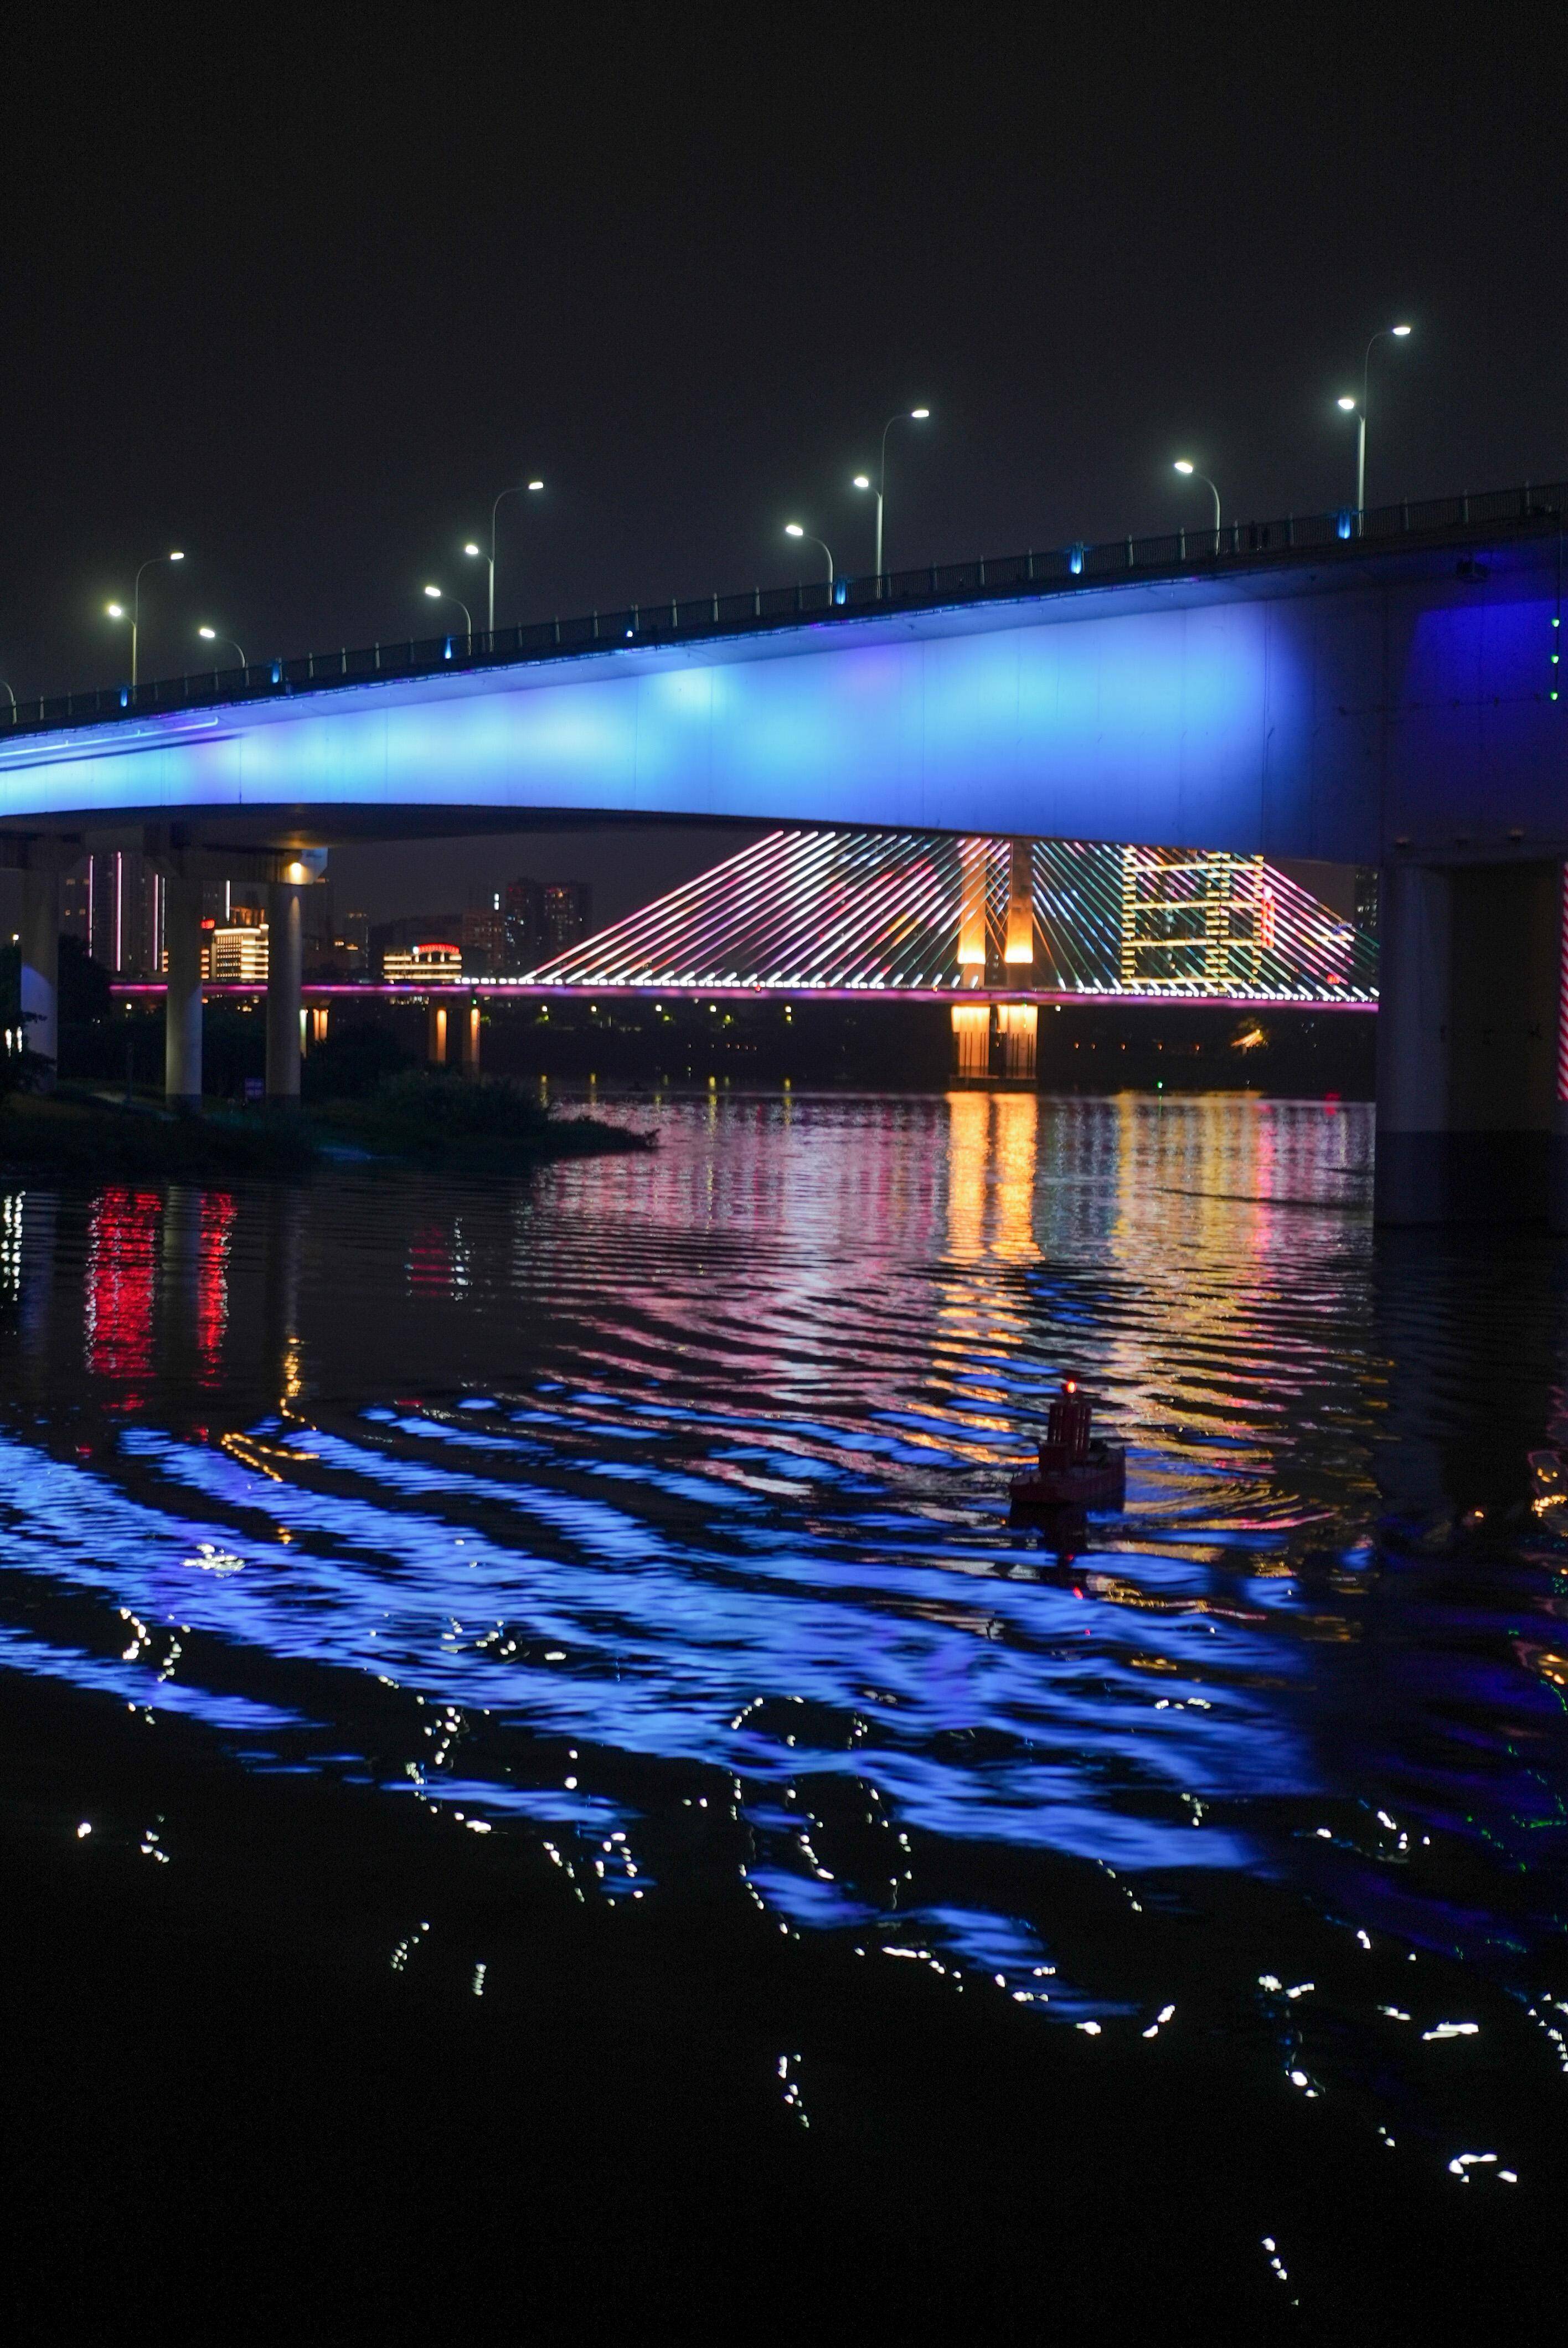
{"points": [[830, 912]]}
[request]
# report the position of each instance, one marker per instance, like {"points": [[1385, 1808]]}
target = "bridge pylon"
{"points": [[1472, 1044]]}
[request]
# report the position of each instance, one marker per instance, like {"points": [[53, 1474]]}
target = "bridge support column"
{"points": [[182, 996], [1017, 1033], [285, 924], [470, 1017], [1471, 1128], [975, 859], [436, 1035], [1019, 953], [40, 953], [971, 1039]]}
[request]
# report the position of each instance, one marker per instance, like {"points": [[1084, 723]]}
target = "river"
{"points": [[529, 1728]]}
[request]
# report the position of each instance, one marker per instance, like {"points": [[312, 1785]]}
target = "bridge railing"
{"points": [[684, 619]]}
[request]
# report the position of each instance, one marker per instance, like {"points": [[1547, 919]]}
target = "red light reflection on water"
{"points": [[121, 1274], [218, 1212], [430, 1259]]}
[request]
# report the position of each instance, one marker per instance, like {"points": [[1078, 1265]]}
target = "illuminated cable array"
{"points": [[834, 910]]}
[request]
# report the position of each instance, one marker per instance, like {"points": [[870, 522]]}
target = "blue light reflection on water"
{"points": [[684, 1473]]}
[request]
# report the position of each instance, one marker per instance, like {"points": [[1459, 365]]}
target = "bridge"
{"points": [[1378, 688]]}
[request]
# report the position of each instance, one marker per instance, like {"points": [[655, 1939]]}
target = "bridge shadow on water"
{"points": [[543, 1775]]}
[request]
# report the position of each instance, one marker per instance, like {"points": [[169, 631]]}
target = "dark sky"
{"points": [[300, 292]]}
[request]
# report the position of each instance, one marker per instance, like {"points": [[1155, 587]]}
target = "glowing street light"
{"points": [[793, 529], [865, 481], [211, 636], [439, 595], [1184, 466], [522, 489], [1358, 407], [117, 610]]}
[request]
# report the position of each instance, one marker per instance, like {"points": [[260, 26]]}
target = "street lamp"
{"points": [[211, 636], [1352, 406], [10, 696], [522, 489], [1182, 465], [439, 595], [864, 481], [793, 529], [117, 610]]}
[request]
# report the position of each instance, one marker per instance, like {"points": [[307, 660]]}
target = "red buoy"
{"points": [[1078, 1470]]}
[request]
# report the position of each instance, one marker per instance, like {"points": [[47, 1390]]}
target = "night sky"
{"points": [[300, 291]]}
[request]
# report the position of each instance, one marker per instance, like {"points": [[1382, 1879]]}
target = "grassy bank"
{"points": [[491, 1128], [433, 1121]]}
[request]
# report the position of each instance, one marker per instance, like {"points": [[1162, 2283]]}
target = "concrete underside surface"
{"points": [[1470, 1127]]}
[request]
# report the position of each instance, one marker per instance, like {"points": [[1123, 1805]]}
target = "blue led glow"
{"points": [[1161, 716]]}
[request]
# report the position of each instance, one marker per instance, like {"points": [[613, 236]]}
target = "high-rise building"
{"points": [[524, 920], [569, 914], [114, 903], [75, 897], [484, 940], [1366, 906], [237, 953], [351, 946]]}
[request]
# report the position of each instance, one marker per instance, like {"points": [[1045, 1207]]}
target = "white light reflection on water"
{"points": [[671, 1488]]}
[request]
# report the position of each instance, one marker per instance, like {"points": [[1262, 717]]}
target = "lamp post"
{"points": [[1184, 465], [864, 481], [211, 636], [522, 489], [793, 529], [1352, 406], [439, 595], [117, 610], [10, 696]]}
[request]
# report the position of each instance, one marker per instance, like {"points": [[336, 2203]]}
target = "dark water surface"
{"points": [[536, 1768]]}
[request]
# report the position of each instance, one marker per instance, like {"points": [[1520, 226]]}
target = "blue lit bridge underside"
{"points": [[1348, 701]]}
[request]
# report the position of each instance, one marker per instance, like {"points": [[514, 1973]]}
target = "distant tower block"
{"points": [[975, 857], [1217, 885], [1196, 924], [1017, 1032], [1021, 903], [971, 1039]]}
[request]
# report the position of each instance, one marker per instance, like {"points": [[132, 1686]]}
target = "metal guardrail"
{"points": [[1187, 552]]}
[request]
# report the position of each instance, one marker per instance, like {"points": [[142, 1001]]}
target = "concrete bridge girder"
{"points": [[1313, 712]]}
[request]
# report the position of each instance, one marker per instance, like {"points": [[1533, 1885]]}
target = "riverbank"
{"points": [[433, 1122]]}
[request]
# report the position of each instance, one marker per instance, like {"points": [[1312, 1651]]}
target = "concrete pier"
{"points": [[284, 972], [1470, 1125], [40, 952], [183, 1001]]}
